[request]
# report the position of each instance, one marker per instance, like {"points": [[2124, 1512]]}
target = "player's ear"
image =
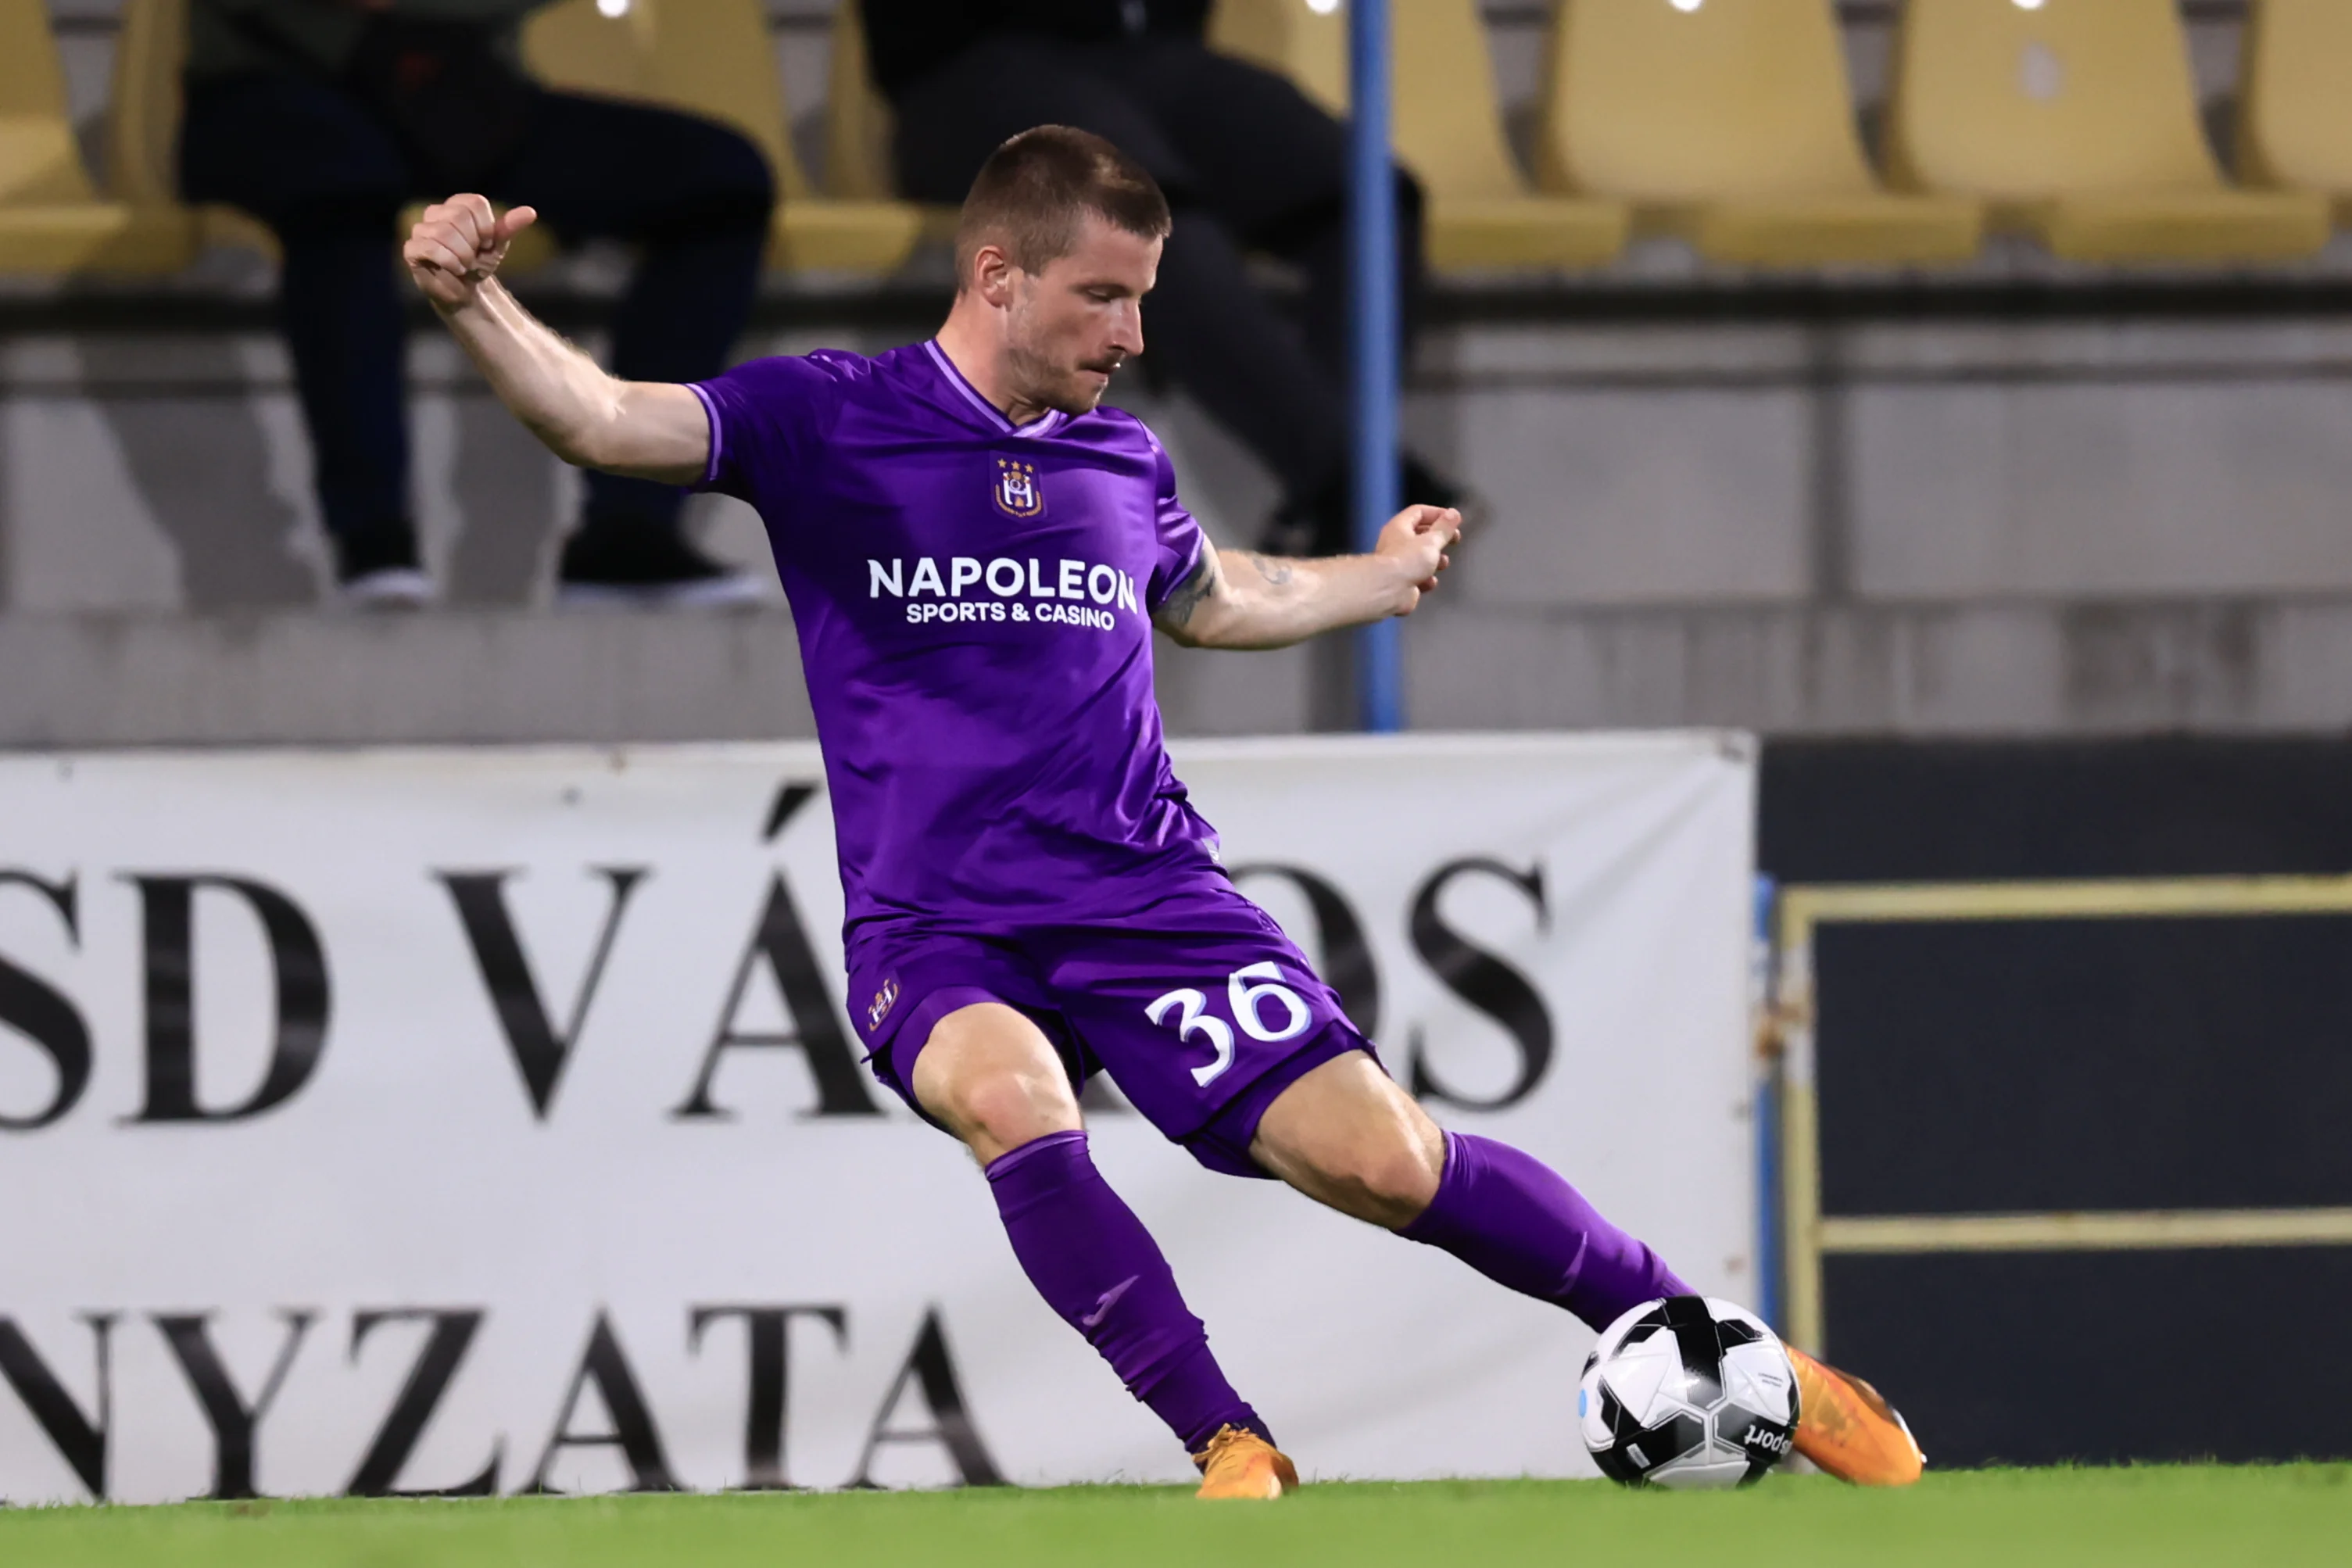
{"points": [[991, 274]]}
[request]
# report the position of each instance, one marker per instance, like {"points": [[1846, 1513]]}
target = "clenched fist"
{"points": [[1418, 540], [457, 246]]}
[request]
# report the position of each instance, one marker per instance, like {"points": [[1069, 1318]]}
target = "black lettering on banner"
{"points": [[1347, 966], [428, 1380], [790, 798], [539, 1051], [781, 942], [43, 1016], [934, 1371], [79, 1439], [233, 1421], [300, 962], [632, 1430], [1484, 980], [768, 1332]]}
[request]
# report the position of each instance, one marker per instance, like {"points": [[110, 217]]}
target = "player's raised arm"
{"points": [[648, 430], [1238, 598]]}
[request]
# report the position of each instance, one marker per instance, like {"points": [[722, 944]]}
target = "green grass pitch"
{"points": [[2289, 1515]]}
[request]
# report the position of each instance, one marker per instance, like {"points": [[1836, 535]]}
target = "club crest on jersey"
{"points": [[884, 1000], [1016, 488]]}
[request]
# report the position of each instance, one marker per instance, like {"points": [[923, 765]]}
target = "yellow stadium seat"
{"points": [[1731, 124], [714, 58], [1447, 127], [856, 118], [142, 128], [1291, 37], [142, 107], [2077, 122], [2295, 100], [52, 219], [857, 127], [575, 47]]}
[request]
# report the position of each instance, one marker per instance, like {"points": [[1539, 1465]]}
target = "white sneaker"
{"points": [[390, 588]]}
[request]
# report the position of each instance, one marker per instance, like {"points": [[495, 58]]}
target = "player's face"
{"points": [[1075, 322]]}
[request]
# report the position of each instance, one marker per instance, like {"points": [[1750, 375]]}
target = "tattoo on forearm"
{"points": [[1277, 573], [1177, 608]]}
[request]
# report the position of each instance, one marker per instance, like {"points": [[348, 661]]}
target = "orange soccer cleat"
{"points": [[1845, 1427], [1238, 1463]]}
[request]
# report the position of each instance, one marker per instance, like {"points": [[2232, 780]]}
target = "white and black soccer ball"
{"points": [[1688, 1392]]}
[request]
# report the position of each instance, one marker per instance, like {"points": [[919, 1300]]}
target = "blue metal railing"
{"points": [[1372, 337]]}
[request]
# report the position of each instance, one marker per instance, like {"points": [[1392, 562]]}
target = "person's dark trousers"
{"points": [[1248, 164], [312, 163]]}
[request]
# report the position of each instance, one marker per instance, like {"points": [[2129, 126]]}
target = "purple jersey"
{"points": [[973, 601]]}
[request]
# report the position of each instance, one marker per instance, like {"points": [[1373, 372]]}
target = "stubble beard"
{"points": [[1051, 385]]}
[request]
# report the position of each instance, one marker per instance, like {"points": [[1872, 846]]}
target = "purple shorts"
{"points": [[1199, 1009]]}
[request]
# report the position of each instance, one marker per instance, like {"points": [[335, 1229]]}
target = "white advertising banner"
{"points": [[487, 1120]]}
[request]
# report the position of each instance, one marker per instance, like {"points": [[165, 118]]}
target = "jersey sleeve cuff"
{"points": [[718, 435], [1181, 576]]}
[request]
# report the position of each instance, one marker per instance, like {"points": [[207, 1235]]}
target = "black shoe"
{"points": [[1321, 524], [636, 562], [376, 568]]}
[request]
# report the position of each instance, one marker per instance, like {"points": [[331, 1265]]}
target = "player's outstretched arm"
{"points": [[1237, 598], [646, 429]]}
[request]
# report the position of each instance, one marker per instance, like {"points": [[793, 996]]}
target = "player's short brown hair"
{"points": [[1034, 191]]}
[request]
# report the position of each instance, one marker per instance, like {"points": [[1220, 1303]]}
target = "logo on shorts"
{"points": [[884, 1000], [1016, 488]]}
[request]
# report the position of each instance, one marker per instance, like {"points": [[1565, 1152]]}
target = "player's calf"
{"points": [[1346, 1135], [989, 1073]]}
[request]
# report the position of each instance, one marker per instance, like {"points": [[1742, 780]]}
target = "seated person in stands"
{"points": [[1248, 164], [323, 118]]}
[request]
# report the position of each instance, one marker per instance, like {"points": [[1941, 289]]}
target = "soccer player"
{"points": [[976, 554]]}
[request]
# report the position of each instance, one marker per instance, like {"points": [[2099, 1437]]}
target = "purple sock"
{"points": [[1097, 1266], [1511, 1217]]}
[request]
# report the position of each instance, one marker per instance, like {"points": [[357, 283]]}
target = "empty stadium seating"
{"points": [[2294, 99], [2078, 123], [52, 218], [1732, 126], [1729, 123], [1447, 127], [714, 58]]}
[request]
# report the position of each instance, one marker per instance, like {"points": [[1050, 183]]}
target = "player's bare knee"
{"points": [[988, 1074], [1014, 1102], [999, 1112], [1397, 1183], [1400, 1167], [1387, 1181]]}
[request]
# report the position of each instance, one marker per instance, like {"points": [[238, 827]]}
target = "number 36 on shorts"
{"points": [[1259, 1002]]}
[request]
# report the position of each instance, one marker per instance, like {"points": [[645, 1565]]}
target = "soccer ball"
{"points": [[1688, 1392]]}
